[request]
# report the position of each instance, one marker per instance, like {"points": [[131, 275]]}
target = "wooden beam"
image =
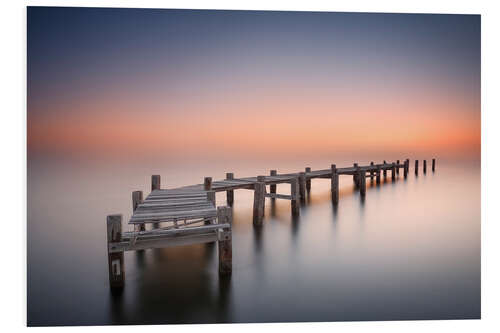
{"points": [[278, 196], [116, 264]]}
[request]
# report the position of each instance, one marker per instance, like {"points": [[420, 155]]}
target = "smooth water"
{"points": [[410, 250]]}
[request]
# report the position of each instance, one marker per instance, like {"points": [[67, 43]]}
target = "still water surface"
{"points": [[411, 250]]}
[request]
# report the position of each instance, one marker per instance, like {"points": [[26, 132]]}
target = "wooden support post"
{"points": [[211, 197], [393, 171], [372, 173], [425, 167], [136, 201], [259, 197], [155, 185], [294, 190], [416, 167], [207, 183], [385, 171], [116, 263], [433, 164], [155, 182], [272, 187], [405, 169], [355, 176], [224, 215], [335, 184], [362, 182], [397, 167], [302, 186], [308, 181], [378, 174], [230, 193]]}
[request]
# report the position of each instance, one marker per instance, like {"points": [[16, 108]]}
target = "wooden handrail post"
{"points": [[155, 182]]}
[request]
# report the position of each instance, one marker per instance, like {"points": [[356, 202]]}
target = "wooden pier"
{"points": [[188, 215]]}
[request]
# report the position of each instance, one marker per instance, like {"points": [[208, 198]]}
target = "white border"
{"points": [[13, 131]]}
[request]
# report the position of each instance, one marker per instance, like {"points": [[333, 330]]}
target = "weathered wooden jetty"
{"points": [[188, 215]]}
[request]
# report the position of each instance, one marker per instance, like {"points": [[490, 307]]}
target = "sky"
{"points": [[111, 82]]}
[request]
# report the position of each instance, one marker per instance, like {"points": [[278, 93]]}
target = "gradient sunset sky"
{"points": [[105, 82]]}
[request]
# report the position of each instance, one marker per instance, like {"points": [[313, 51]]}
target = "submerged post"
{"points": [[385, 170], [224, 215], [136, 201], [378, 174], [302, 186], [272, 187], [230, 193], [433, 164], [155, 182], [416, 167], [393, 171], [425, 167], [308, 181], [116, 263], [294, 191], [335, 184], [397, 167], [405, 169], [259, 200], [362, 181]]}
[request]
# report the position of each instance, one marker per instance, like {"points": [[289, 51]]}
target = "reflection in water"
{"points": [[409, 250]]}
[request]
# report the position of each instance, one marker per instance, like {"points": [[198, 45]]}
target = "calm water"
{"points": [[411, 250]]}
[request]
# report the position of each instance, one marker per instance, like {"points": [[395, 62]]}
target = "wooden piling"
{"points": [[155, 182], [362, 181], [425, 167], [308, 181], [335, 184], [211, 197], [416, 167], [272, 187], [155, 185], [294, 190], [393, 171], [302, 186], [372, 173], [207, 183], [355, 176], [378, 174], [224, 215], [259, 200], [230, 193], [385, 170], [116, 264], [136, 201], [397, 167], [433, 164], [405, 169]]}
